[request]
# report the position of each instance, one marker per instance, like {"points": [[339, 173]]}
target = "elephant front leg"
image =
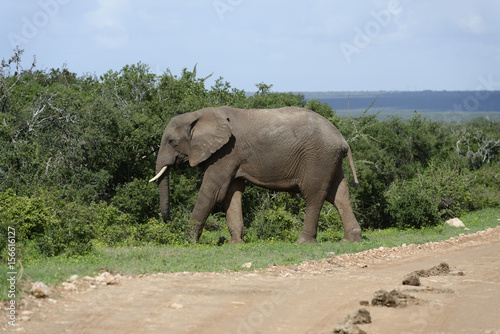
{"points": [[204, 204], [234, 212]]}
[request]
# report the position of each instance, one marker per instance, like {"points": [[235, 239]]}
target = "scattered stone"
{"points": [[348, 325], [442, 269], [362, 265], [73, 278], [361, 316], [247, 265], [392, 299], [348, 330], [455, 222], [40, 290], [106, 278], [364, 303], [88, 279], [412, 279], [383, 298], [69, 286], [431, 290], [176, 306]]}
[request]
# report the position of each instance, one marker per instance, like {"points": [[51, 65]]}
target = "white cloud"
{"points": [[473, 23], [107, 23]]}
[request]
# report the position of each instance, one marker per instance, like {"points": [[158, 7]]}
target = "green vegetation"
{"points": [[76, 153]]}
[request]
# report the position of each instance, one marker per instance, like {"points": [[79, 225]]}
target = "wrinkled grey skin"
{"points": [[287, 149]]}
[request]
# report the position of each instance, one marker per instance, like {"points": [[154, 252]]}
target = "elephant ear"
{"points": [[209, 133]]}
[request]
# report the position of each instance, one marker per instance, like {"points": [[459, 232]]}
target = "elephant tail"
{"points": [[351, 163]]}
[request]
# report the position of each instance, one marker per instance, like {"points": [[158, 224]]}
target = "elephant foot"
{"points": [[236, 242], [195, 236], [303, 239], [353, 236]]}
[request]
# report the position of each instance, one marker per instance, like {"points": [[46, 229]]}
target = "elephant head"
{"points": [[192, 137]]}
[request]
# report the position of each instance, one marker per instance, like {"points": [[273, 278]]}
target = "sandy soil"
{"points": [[310, 298]]}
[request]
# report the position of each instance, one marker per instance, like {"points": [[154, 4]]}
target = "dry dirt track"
{"points": [[310, 298]]}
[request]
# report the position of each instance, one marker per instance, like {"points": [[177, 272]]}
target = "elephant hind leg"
{"points": [[314, 203], [234, 213], [338, 195]]}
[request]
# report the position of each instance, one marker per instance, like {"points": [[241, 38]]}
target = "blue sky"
{"points": [[315, 45]]}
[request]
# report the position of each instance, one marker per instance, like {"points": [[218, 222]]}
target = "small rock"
{"points": [[393, 299], [106, 278], [346, 329], [364, 303], [40, 290], [455, 222], [53, 301], [247, 265], [383, 298], [412, 279], [361, 316], [348, 325], [88, 279], [176, 306], [73, 278], [69, 286], [442, 269], [362, 265]]}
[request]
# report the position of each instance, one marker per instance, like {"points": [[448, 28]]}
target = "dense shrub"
{"points": [[275, 224], [46, 225], [138, 198]]}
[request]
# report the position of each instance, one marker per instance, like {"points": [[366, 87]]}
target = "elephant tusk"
{"points": [[160, 173]]}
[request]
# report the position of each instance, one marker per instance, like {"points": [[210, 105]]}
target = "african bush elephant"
{"points": [[288, 149]]}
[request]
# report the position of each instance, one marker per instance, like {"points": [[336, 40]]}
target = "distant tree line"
{"points": [[76, 152]]}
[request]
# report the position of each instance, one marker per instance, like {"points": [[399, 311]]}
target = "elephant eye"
{"points": [[171, 142]]}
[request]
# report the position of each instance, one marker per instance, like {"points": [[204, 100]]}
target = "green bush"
{"points": [[139, 199], [411, 206], [329, 218], [275, 224], [47, 226], [441, 192]]}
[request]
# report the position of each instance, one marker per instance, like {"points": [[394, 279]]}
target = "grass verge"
{"points": [[212, 258]]}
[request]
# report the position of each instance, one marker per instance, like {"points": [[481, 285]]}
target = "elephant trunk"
{"points": [[163, 188]]}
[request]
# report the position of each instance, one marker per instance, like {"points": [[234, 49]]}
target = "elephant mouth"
{"points": [[160, 173]]}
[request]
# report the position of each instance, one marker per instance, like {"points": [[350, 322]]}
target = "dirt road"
{"points": [[310, 298]]}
